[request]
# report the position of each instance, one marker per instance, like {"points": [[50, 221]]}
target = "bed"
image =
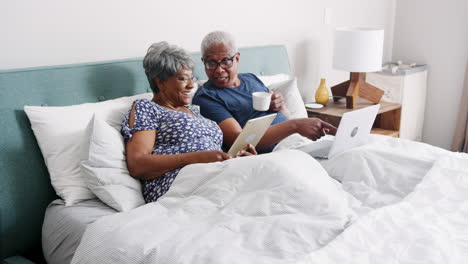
{"points": [[391, 201], [25, 186]]}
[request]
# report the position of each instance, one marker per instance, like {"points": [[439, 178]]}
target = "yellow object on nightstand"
{"points": [[321, 94]]}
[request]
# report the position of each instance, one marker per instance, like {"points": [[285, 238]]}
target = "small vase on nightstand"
{"points": [[321, 94]]}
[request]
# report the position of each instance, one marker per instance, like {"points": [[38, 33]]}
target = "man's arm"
{"points": [[276, 133], [231, 130], [312, 128]]}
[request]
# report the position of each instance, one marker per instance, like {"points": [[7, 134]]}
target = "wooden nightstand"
{"points": [[409, 90], [387, 121]]}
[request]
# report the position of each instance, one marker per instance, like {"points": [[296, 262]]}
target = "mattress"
{"points": [[64, 226]]}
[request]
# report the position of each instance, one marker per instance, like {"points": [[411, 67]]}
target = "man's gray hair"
{"points": [[164, 60], [218, 37]]}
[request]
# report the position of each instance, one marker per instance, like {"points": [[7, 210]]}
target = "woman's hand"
{"points": [[249, 152], [207, 156]]}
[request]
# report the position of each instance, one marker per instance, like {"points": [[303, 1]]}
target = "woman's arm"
{"points": [[142, 164]]}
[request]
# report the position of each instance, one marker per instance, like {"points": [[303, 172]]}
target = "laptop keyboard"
{"points": [[318, 149]]}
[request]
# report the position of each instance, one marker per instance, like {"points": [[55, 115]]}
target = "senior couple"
{"points": [[165, 134]]}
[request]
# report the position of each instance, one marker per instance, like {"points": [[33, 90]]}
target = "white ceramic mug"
{"points": [[261, 101]]}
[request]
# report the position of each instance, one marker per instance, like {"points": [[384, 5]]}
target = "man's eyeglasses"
{"points": [[186, 80], [224, 63]]}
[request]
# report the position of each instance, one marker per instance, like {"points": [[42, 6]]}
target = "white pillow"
{"points": [[292, 97], [267, 80], [60, 133], [105, 169]]}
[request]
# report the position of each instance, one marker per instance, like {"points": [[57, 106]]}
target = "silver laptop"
{"points": [[353, 131]]}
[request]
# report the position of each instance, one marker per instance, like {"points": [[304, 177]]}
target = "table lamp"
{"points": [[357, 50]]}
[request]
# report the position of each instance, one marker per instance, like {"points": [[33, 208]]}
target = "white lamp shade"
{"points": [[358, 49]]}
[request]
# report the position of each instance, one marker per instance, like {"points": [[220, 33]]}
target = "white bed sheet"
{"points": [[428, 226], [398, 202], [64, 226], [261, 209]]}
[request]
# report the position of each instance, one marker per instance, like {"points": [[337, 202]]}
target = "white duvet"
{"points": [[398, 202]]}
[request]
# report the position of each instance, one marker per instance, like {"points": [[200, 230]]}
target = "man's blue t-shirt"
{"points": [[218, 104]]}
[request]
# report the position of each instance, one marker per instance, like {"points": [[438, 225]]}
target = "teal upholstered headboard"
{"points": [[25, 189]]}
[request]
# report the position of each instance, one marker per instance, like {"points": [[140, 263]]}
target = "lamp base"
{"points": [[357, 86]]}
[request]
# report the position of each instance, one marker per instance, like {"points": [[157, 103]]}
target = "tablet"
{"points": [[251, 133]]}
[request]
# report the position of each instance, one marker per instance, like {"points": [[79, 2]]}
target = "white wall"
{"points": [[51, 32], [436, 33]]}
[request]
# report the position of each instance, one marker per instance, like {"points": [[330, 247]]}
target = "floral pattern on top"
{"points": [[177, 132]]}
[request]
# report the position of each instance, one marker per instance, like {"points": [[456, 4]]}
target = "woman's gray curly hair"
{"points": [[218, 37], [164, 60]]}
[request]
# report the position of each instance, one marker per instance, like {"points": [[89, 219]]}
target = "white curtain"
{"points": [[460, 140]]}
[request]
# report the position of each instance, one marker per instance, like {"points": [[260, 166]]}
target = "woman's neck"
{"points": [[166, 104]]}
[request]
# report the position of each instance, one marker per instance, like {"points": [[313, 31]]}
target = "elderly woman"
{"points": [[165, 134]]}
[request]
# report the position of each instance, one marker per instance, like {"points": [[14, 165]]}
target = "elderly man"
{"points": [[226, 97]]}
